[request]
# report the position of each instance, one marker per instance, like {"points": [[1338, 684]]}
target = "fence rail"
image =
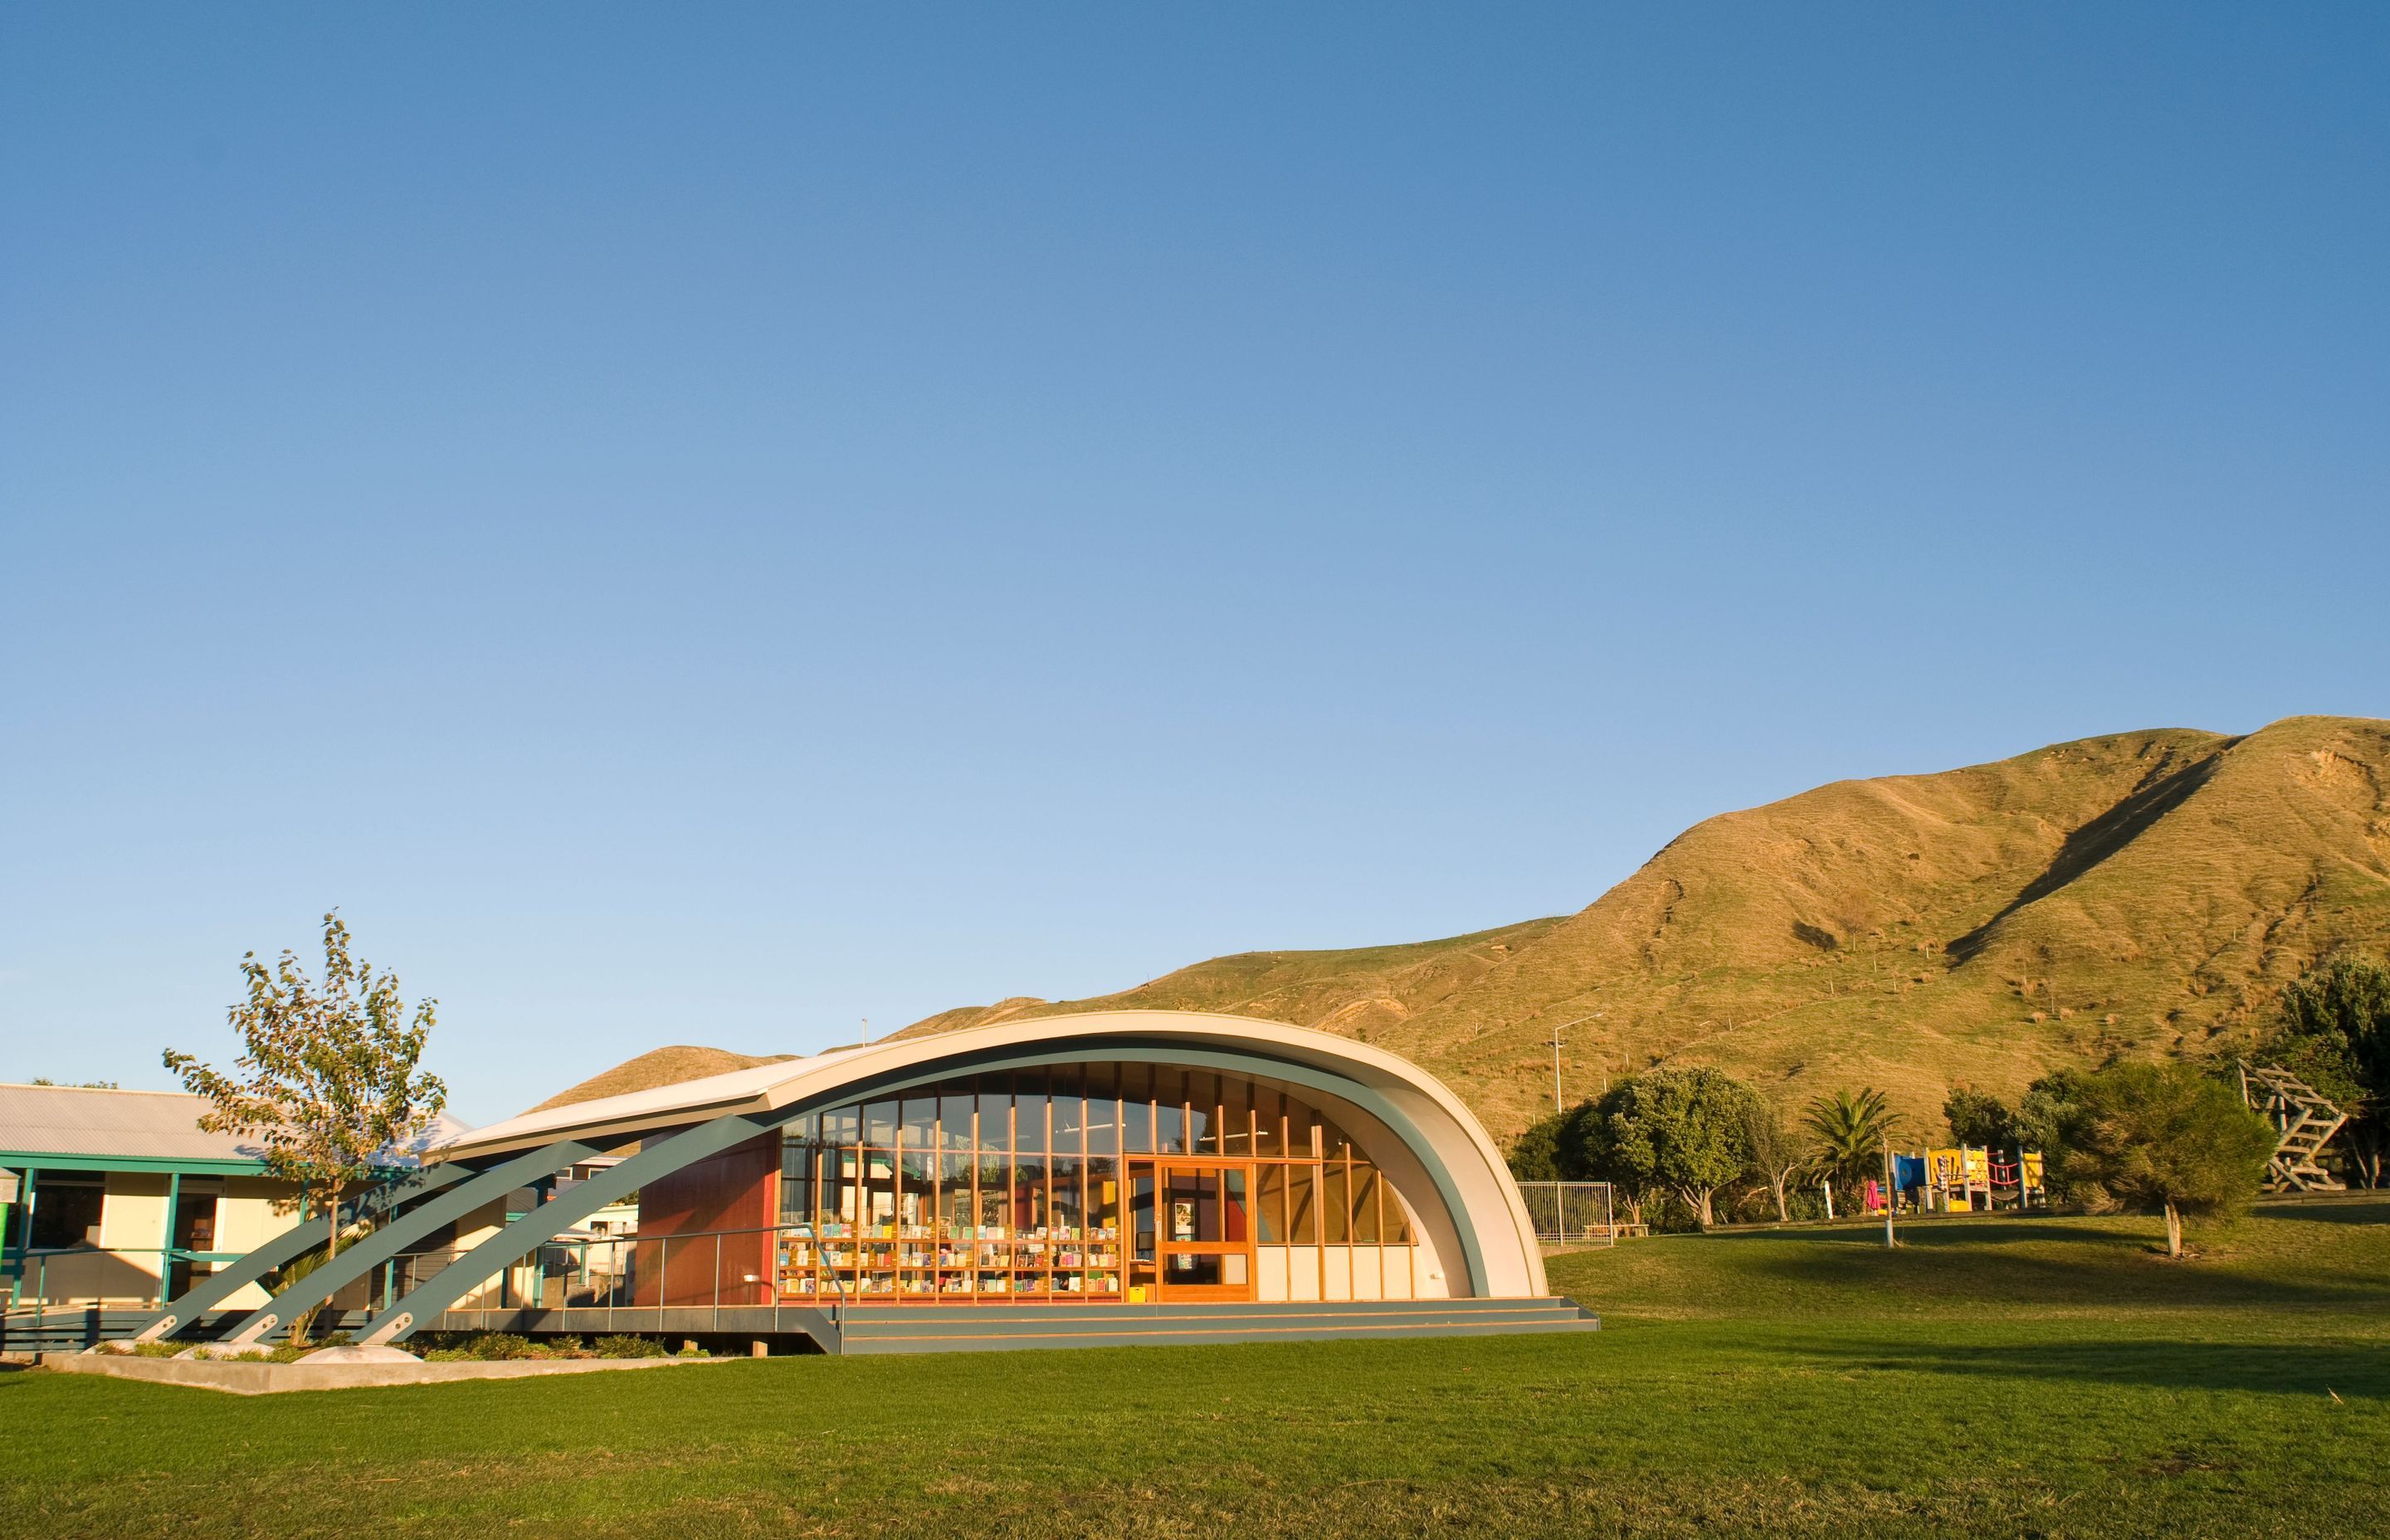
{"points": [[1571, 1213]]}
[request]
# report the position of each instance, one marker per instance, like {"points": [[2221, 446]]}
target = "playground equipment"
{"points": [[2304, 1121], [1969, 1180]]}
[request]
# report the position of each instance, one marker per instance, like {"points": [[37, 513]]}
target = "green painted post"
{"points": [[166, 1241], [24, 1239], [10, 1182]]}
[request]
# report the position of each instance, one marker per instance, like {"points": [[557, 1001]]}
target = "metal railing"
{"points": [[748, 1267], [157, 1286], [1571, 1213]]}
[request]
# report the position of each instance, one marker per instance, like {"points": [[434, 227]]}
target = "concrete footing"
{"points": [[307, 1375]]}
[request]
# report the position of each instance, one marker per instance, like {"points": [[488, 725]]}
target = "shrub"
{"points": [[2161, 1136], [622, 1344]]}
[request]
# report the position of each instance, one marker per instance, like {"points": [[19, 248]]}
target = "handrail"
{"points": [[580, 1250]]}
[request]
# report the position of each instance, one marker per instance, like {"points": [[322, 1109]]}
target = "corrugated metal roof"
{"points": [[67, 1120], [159, 1126]]}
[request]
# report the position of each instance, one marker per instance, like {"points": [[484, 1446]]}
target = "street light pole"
{"points": [[1558, 1105]]}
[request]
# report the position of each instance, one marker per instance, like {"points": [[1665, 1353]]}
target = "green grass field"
{"points": [[1991, 1377]]}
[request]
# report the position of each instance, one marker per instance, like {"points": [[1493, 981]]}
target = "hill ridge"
{"points": [[2133, 894]]}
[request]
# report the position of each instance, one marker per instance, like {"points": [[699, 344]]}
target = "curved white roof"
{"points": [[1445, 1146]]}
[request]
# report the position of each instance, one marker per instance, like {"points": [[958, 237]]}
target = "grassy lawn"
{"points": [[1990, 1377]]}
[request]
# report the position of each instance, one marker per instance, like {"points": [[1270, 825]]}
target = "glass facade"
{"points": [[1081, 1182]]}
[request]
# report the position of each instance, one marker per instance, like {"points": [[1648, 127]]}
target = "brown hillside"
{"points": [[657, 1067], [2143, 893]]}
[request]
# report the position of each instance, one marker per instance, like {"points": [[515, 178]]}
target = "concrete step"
{"points": [[933, 1328]]}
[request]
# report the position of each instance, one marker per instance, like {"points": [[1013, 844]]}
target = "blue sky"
{"points": [[706, 524]]}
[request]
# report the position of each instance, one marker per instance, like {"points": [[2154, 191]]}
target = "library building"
{"points": [[1117, 1177]]}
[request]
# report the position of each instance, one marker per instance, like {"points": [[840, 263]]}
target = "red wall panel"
{"points": [[737, 1189]]}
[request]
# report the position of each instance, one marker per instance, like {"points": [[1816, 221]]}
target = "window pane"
{"points": [[1070, 1113], [1397, 1218], [66, 1213], [1028, 1110], [1271, 1212], [1137, 1113], [920, 1122], [1067, 1210], [917, 1192], [1103, 1198], [1029, 1208], [1303, 1206], [1365, 1204], [796, 1184], [880, 1123], [1169, 1109], [845, 1187], [995, 1112], [1236, 1109], [954, 1196], [840, 1126], [995, 1195], [1336, 1205], [878, 1187], [954, 1114], [1268, 1105], [1103, 1110], [1203, 1112]]}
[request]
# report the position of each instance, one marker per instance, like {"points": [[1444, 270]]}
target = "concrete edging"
{"points": [[235, 1378]]}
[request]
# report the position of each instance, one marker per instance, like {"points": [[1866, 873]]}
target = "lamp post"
{"points": [[1559, 1107]]}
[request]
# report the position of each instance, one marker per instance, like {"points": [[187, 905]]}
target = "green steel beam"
{"points": [[461, 1277], [393, 1238], [206, 1293]]}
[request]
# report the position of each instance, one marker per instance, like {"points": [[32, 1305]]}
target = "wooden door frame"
{"points": [[1161, 1166]]}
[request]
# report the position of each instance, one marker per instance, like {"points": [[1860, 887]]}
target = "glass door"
{"points": [[1203, 1248]]}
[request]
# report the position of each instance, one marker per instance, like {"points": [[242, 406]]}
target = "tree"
{"points": [[1851, 1132], [327, 1079], [1684, 1130], [2334, 1033], [2163, 1137], [1777, 1153], [1979, 1118]]}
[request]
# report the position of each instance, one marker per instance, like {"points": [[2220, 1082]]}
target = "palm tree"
{"points": [[1850, 1132]]}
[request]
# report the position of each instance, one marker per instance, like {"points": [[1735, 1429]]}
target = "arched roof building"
{"points": [[1115, 1176]]}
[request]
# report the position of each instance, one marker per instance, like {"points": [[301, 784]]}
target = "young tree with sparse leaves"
{"points": [[1777, 1152], [327, 1079], [2161, 1137]]}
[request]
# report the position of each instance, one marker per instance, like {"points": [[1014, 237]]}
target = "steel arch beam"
{"points": [[370, 1253], [427, 1300], [292, 1243]]}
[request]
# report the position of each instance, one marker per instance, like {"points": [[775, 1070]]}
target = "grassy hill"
{"points": [[659, 1066], [2140, 894], [2143, 893]]}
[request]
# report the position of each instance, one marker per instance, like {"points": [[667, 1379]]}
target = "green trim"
{"points": [[22, 1159]]}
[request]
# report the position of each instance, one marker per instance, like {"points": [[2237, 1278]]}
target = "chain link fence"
{"points": [[1571, 1213]]}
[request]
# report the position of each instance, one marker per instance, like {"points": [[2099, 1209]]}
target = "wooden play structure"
{"points": [[2304, 1120]]}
